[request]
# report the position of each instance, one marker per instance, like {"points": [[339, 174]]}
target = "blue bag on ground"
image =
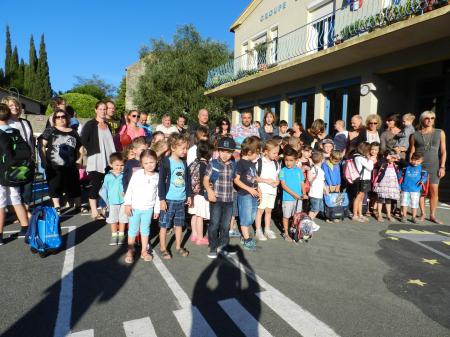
{"points": [[336, 206], [43, 233]]}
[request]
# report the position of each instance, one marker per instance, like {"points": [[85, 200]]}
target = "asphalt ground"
{"points": [[351, 279]]}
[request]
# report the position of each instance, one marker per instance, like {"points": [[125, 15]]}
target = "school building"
{"points": [[332, 59]]}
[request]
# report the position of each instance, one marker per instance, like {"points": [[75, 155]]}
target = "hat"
{"points": [[327, 141], [226, 143]]}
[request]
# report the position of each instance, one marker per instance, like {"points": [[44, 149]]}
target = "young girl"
{"points": [[200, 207], [141, 203], [364, 165], [373, 155], [386, 185]]}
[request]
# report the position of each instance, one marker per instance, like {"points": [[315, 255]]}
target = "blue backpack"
{"points": [[43, 235]]}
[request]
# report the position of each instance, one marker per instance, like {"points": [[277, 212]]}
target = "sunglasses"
{"points": [[373, 123], [225, 123], [430, 118], [60, 117], [134, 116]]}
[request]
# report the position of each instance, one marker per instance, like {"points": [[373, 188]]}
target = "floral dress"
{"points": [[388, 187]]}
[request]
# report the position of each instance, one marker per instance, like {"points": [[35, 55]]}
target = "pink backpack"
{"points": [[350, 171]]}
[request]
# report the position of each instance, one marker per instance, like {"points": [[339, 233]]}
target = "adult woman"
{"points": [[60, 149], [431, 143], [356, 135], [388, 139], [373, 124], [99, 144], [223, 128], [26, 131], [130, 130], [268, 129], [315, 134]]}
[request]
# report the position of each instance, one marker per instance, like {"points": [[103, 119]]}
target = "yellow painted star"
{"points": [[446, 242], [432, 261], [417, 282], [392, 238]]}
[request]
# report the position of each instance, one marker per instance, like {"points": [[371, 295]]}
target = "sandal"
{"points": [[436, 221], [286, 237], [380, 219], [147, 257], [165, 255], [98, 217], [129, 259], [182, 252]]}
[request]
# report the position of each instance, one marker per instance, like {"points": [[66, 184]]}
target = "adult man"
{"points": [[143, 124], [245, 129], [110, 118], [202, 117], [181, 122], [166, 126]]}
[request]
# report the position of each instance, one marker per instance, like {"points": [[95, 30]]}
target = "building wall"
{"points": [[134, 72], [29, 106]]}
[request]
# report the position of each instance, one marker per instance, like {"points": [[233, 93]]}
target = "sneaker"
{"points": [[202, 242], [1, 239], [114, 240], [260, 235], [413, 220], [227, 251], [270, 234], [23, 232], [212, 254], [234, 233], [120, 239], [249, 244]]}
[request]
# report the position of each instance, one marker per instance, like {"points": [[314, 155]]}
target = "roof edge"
{"points": [[247, 11]]}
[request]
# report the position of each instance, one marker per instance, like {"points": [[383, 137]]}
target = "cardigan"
{"points": [[164, 178], [89, 137]]}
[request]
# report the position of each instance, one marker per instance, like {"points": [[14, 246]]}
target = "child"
{"points": [[112, 194], [283, 127], [402, 138], [218, 182], [200, 134], [200, 207], [386, 185], [332, 169], [341, 137], [413, 178], [139, 144], [317, 185], [267, 179], [327, 148], [161, 148], [295, 143], [373, 197], [127, 153], [141, 204], [9, 195], [174, 192], [364, 165], [247, 187], [292, 183], [157, 137]]}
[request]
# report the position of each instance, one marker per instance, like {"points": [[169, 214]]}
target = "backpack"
{"points": [[194, 172], [301, 228], [336, 205], [43, 234], [16, 164], [351, 173], [259, 166]]}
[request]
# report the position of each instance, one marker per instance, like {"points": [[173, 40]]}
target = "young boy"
{"points": [[173, 189], [9, 195], [139, 144], [413, 177], [341, 137], [332, 169], [112, 193], [283, 127], [317, 185], [218, 182], [327, 148], [267, 171], [247, 187], [292, 183]]}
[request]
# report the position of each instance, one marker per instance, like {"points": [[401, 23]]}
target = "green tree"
{"points": [[108, 89], [8, 56], [175, 75], [84, 105], [2, 77], [15, 77], [44, 89], [90, 89], [120, 99], [30, 86]]}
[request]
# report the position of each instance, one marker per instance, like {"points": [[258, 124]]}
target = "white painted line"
{"points": [[84, 333], [142, 327], [243, 319], [17, 231], [62, 326], [298, 318], [189, 317]]}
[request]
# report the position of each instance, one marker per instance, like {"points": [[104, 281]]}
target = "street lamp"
{"points": [[16, 90]]}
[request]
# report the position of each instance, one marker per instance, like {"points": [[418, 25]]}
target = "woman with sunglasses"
{"points": [[130, 130], [373, 124], [431, 143], [60, 152]]}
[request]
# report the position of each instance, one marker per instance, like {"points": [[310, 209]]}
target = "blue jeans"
{"points": [[219, 223], [141, 221], [247, 209]]}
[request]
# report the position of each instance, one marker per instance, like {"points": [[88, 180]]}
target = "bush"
{"points": [[84, 105]]}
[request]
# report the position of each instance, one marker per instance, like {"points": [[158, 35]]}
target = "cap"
{"points": [[226, 143], [327, 141]]}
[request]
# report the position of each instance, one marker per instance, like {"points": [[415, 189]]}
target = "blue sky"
{"points": [[104, 36]]}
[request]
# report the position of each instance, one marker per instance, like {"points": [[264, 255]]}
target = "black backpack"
{"points": [[16, 164]]}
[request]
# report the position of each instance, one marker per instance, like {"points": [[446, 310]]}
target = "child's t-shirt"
{"points": [[317, 182], [412, 179], [293, 178], [113, 186], [269, 170], [247, 173], [177, 188]]}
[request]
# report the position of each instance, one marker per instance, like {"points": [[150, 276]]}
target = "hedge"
{"points": [[83, 104]]}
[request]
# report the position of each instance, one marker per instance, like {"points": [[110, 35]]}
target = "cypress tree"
{"points": [[44, 89], [30, 84], [15, 72], [8, 56]]}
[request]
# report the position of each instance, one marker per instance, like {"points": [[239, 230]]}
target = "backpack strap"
{"points": [[259, 167]]}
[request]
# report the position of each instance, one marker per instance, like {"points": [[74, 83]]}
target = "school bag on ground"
{"points": [[16, 164], [301, 227], [336, 206], [43, 235]]}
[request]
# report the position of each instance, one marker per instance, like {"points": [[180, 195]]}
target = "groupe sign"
{"points": [[282, 6]]}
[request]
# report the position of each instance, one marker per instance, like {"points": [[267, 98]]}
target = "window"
{"points": [[324, 33], [302, 110], [273, 45], [341, 103]]}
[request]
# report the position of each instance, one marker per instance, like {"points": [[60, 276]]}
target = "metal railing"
{"points": [[356, 17]]}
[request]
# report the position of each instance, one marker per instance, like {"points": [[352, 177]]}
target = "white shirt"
{"points": [[268, 171], [361, 162], [317, 180], [191, 154], [142, 192], [167, 131]]}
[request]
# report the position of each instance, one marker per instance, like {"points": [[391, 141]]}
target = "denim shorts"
{"points": [[140, 221], [247, 209], [174, 215], [315, 205]]}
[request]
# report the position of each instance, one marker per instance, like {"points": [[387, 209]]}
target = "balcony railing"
{"points": [[355, 18]]}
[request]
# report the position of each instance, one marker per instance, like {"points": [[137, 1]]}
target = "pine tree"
{"points": [[30, 71], [15, 72], [44, 89], [8, 56]]}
